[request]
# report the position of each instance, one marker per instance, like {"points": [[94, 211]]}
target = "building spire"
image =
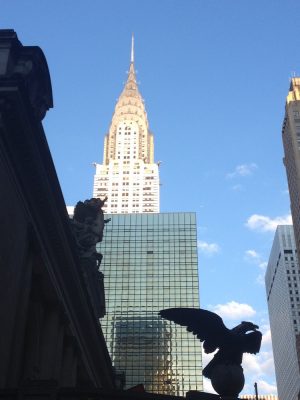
{"points": [[132, 49]]}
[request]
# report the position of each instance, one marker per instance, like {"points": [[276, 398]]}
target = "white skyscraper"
{"points": [[291, 144], [128, 176], [282, 287]]}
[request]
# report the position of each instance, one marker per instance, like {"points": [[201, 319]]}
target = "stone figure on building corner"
{"points": [[88, 225], [224, 370]]}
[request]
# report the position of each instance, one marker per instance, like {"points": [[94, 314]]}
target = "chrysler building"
{"points": [[128, 176]]}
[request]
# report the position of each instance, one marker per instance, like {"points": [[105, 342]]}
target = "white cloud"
{"points": [[264, 223], [263, 265], [234, 310], [261, 364], [242, 170], [208, 248], [251, 364], [266, 388], [70, 210], [267, 338], [252, 254], [207, 386], [260, 279], [260, 367], [254, 257]]}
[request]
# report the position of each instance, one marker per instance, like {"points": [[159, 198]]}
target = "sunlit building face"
{"points": [[128, 176]]}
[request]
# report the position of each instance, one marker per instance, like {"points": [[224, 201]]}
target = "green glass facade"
{"points": [[150, 263]]}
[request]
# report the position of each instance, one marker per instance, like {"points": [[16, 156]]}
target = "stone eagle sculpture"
{"points": [[225, 367]]}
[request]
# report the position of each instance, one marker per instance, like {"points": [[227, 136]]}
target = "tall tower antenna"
{"points": [[132, 49]]}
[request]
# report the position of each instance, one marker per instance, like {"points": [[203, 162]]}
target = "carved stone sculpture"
{"points": [[224, 370], [88, 225]]}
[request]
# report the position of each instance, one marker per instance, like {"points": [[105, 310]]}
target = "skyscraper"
{"points": [[128, 176], [282, 287], [291, 144], [150, 263], [150, 259]]}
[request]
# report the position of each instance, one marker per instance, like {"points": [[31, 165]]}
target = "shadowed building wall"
{"points": [[50, 304]]}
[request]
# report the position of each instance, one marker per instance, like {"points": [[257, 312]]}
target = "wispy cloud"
{"points": [[242, 170], [260, 279], [263, 223], [267, 339], [234, 310], [201, 229], [237, 188], [261, 364], [208, 248], [265, 387], [254, 257], [260, 367]]}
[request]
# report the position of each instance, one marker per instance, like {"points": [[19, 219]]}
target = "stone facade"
{"points": [[51, 337]]}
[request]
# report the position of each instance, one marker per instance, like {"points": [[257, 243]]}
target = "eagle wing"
{"points": [[206, 325], [251, 342]]}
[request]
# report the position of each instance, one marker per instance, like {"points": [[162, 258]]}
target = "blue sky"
{"points": [[214, 75]]}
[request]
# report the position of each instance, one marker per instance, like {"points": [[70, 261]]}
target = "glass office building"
{"points": [[150, 263]]}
